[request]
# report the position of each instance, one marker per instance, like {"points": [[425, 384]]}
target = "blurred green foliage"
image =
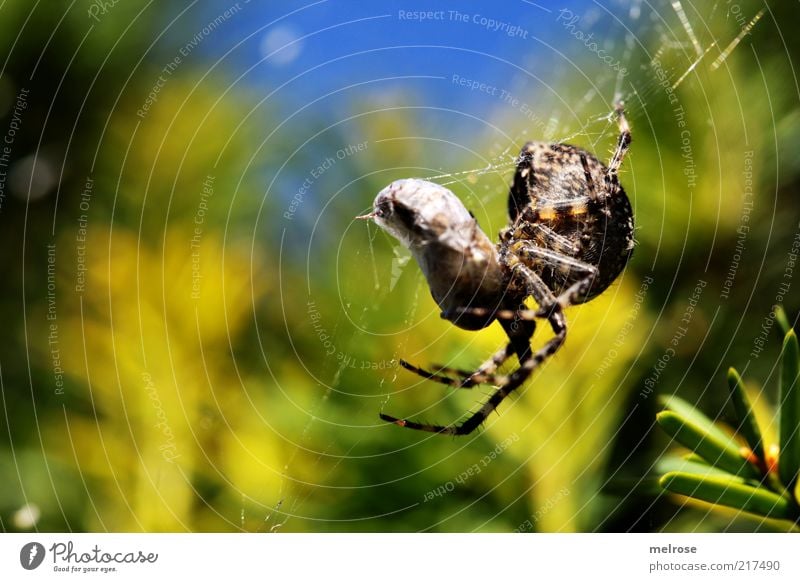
{"points": [[230, 379]]}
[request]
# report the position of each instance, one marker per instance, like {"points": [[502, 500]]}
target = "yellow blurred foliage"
{"points": [[167, 405]]}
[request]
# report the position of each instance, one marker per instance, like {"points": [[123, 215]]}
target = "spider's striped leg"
{"points": [[435, 376], [588, 177], [528, 363], [533, 255], [519, 343], [623, 144], [528, 360], [549, 238], [575, 293], [488, 367], [445, 369], [543, 296], [467, 379], [520, 335], [417, 425], [478, 417]]}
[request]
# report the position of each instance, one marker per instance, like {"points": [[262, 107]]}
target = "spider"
{"points": [[570, 235]]}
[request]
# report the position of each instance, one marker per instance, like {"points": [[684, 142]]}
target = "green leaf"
{"points": [[748, 427], [695, 466], [689, 412], [694, 458], [723, 454], [789, 460], [783, 321], [729, 491]]}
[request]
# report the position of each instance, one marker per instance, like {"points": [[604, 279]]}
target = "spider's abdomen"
{"points": [[564, 200], [606, 241], [554, 173]]}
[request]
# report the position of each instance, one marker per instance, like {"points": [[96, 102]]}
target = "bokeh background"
{"points": [[198, 336]]}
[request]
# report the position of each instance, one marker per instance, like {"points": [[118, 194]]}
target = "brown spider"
{"points": [[570, 236]]}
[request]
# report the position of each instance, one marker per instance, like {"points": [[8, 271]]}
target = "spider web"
{"points": [[634, 95]]}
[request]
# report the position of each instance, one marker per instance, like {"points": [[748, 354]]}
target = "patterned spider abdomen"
{"points": [[565, 201]]}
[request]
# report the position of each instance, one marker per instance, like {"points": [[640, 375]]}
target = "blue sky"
{"points": [[333, 44], [330, 57]]}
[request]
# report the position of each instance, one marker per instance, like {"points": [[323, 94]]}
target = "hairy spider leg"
{"points": [[588, 177], [531, 255], [527, 251], [488, 368], [519, 343], [623, 144], [468, 379], [557, 250], [531, 223], [550, 239], [471, 378]]}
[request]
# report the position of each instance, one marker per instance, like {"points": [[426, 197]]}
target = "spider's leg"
{"points": [[467, 379], [520, 338], [623, 143], [445, 369], [552, 240], [588, 177], [484, 370], [514, 381], [572, 295], [510, 383], [543, 296], [417, 425], [436, 377], [520, 344], [519, 195], [531, 254], [528, 361]]}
